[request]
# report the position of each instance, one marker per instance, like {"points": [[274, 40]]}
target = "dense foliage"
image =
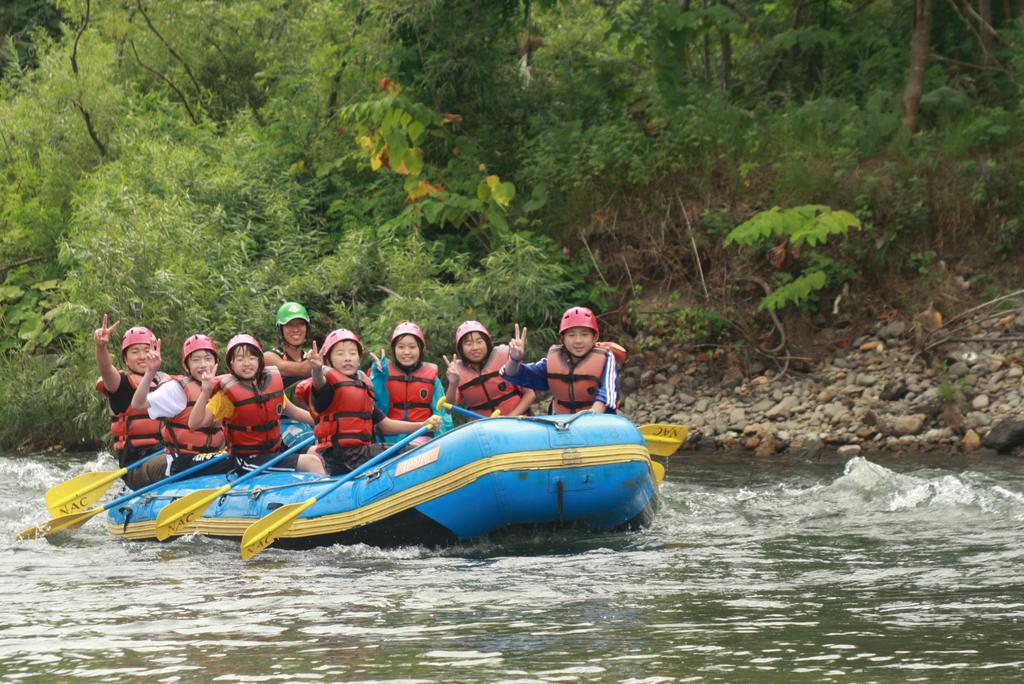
{"points": [[189, 166]]}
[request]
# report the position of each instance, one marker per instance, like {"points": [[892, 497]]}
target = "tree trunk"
{"points": [[726, 42], [920, 43], [707, 53], [988, 36]]}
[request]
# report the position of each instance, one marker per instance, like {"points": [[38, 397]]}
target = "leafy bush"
{"points": [[811, 225]]}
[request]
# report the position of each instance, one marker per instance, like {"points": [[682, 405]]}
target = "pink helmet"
{"points": [[471, 326], [195, 343], [409, 328], [137, 335], [340, 335], [242, 339], [578, 317]]}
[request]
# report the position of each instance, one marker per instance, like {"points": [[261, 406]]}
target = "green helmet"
{"points": [[289, 311]]}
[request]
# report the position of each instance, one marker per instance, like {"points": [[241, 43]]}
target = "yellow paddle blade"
{"points": [[664, 439], [658, 468], [80, 492], [55, 525], [176, 517], [267, 529]]}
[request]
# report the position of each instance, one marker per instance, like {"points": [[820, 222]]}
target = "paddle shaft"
{"points": [[144, 459], [267, 529], [376, 460], [167, 480], [75, 520], [274, 461], [463, 412]]}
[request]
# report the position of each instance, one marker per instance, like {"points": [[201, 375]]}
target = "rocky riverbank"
{"points": [[879, 393]]}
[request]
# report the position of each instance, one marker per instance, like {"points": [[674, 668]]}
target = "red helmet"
{"points": [[240, 340], [409, 328], [195, 343], [137, 335], [340, 335], [468, 327], [578, 317]]}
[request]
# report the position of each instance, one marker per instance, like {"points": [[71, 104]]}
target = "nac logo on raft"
{"points": [[661, 430]]}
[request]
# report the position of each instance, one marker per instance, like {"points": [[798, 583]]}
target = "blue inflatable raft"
{"points": [[587, 470]]}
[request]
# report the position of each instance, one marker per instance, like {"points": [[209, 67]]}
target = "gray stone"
{"points": [[893, 329], [893, 390], [737, 418], [833, 410], [701, 405], [866, 379], [980, 402], [684, 399], [1005, 436], [958, 370], [665, 390], [1015, 371], [848, 450], [976, 419], [783, 408], [909, 425]]}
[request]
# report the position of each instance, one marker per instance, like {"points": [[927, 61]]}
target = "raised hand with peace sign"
{"points": [[454, 369], [101, 336], [516, 349], [517, 345], [316, 365], [153, 357]]}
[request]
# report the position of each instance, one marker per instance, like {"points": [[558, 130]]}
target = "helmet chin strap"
{"points": [[288, 345]]}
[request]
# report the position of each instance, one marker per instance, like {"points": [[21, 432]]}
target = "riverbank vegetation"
{"points": [[189, 166]]}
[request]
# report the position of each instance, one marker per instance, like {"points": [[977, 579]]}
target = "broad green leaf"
{"points": [[412, 161], [397, 145], [795, 292], [497, 218], [503, 193], [31, 326], [415, 130]]}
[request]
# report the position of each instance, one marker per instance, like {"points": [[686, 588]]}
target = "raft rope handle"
{"points": [[560, 425]]}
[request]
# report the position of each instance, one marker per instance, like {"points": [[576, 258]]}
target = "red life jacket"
{"points": [[485, 390], [348, 421], [412, 395], [133, 428], [255, 425], [574, 385], [180, 439]]}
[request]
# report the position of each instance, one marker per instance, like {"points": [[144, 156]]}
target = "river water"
{"points": [[784, 570]]}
